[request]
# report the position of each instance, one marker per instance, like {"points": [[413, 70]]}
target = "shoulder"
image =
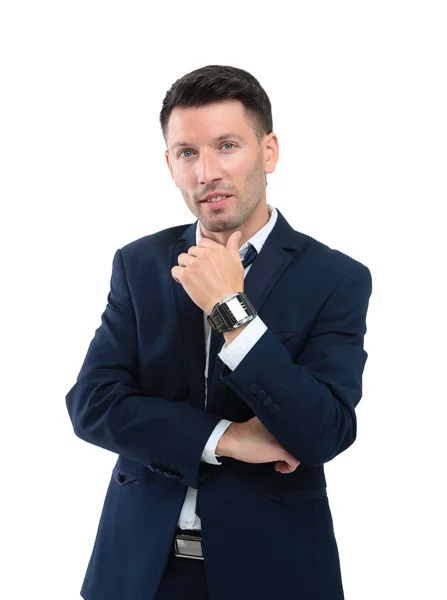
{"points": [[330, 263], [154, 243], [150, 251]]}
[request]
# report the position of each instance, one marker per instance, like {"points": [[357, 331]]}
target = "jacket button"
{"points": [[267, 402], [261, 394], [253, 388], [274, 408]]}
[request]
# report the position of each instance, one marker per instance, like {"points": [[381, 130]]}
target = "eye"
{"points": [[189, 156], [180, 153]]}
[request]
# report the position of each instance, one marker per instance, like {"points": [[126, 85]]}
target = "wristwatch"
{"points": [[231, 312]]}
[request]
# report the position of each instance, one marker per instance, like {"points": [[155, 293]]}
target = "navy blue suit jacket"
{"points": [[140, 394]]}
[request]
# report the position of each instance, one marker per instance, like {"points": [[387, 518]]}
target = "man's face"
{"points": [[213, 148]]}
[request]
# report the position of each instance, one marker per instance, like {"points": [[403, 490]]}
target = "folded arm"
{"points": [[309, 405], [108, 409]]}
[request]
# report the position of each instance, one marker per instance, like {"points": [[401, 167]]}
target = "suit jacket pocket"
{"points": [[292, 340], [283, 336], [294, 496], [123, 478], [127, 471]]}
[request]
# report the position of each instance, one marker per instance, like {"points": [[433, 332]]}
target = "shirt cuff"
{"points": [[209, 452], [232, 354]]}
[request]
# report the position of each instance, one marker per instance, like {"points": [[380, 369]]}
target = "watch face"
{"points": [[231, 313], [236, 308]]}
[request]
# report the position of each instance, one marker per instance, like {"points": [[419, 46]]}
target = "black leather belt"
{"points": [[188, 544]]}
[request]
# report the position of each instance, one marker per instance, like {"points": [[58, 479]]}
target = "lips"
{"points": [[216, 205], [215, 196]]}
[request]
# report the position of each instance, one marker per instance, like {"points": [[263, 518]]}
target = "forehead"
{"points": [[205, 123]]}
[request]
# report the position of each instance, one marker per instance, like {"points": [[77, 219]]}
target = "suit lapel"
{"points": [[259, 281]]}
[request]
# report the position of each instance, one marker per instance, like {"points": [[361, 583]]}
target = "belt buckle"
{"points": [[188, 546]]}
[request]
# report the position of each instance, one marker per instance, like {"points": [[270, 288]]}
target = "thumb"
{"points": [[233, 241]]}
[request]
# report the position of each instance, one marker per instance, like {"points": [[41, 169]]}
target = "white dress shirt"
{"points": [[231, 355]]}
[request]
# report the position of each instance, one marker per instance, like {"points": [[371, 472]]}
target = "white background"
{"points": [[359, 100]]}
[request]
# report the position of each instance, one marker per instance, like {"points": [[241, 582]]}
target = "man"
{"points": [[225, 373]]}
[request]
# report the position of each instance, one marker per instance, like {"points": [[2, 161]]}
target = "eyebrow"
{"points": [[220, 138]]}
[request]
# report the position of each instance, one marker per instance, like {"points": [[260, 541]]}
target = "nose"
{"points": [[208, 167]]}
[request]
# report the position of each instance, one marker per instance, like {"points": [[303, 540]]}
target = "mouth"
{"points": [[213, 204]]}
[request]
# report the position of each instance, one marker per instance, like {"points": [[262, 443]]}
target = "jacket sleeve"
{"points": [[309, 405], [107, 408]]}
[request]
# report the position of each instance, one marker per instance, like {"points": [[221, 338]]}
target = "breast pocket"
{"points": [[291, 340]]}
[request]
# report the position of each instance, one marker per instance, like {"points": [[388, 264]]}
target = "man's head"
{"points": [[217, 125]]}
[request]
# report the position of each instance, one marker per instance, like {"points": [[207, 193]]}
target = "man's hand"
{"points": [[210, 272], [251, 442]]}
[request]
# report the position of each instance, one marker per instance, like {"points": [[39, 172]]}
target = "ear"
{"points": [[168, 160], [271, 153]]}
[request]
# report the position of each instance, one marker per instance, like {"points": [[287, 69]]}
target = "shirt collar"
{"points": [[257, 240]]}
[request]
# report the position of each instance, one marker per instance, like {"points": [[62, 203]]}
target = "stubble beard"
{"points": [[255, 184]]}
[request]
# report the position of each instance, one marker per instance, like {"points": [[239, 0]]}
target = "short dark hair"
{"points": [[215, 83]]}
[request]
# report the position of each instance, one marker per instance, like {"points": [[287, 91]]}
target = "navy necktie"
{"points": [[250, 255]]}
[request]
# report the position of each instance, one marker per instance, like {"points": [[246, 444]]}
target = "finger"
{"points": [[280, 466], [185, 260], [176, 273], [196, 251], [288, 465], [292, 464]]}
